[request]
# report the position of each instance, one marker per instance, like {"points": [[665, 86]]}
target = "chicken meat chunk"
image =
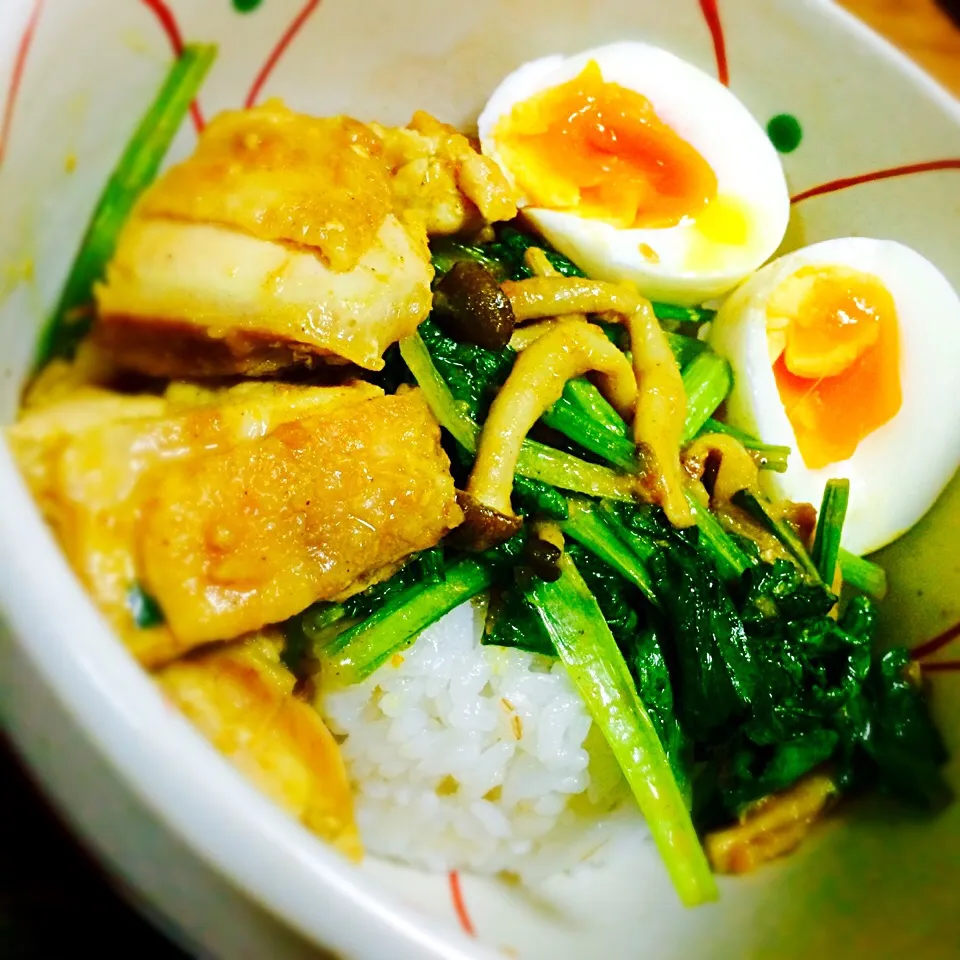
{"points": [[320, 491], [240, 697], [288, 240]]}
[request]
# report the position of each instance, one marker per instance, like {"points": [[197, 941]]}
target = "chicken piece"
{"points": [[87, 457], [771, 827], [440, 179], [287, 240], [235, 540], [240, 697], [274, 174], [274, 245], [199, 300]]}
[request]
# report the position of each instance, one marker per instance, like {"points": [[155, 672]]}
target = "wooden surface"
{"points": [[53, 900], [922, 29]]}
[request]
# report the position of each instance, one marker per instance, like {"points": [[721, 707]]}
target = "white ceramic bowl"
{"points": [[191, 842]]}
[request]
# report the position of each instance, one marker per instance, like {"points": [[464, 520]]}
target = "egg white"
{"points": [[899, 470], [691, 268]]}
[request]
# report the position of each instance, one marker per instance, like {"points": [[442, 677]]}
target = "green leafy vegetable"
{"points": [[144, 608], [770, 456], [512, 621], [900, 737], [780, 528], [537, 461], [707, 380], [134, 172], [730, 559], [597, 668], [826, 542], [534, 498], [635, 628], [863, 575], [361, 649], [600, 534]]}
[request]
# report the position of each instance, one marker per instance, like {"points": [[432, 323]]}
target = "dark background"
{"points": [[54, 901]]}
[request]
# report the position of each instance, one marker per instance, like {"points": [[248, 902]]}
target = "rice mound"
{"points": [[477, 758]]}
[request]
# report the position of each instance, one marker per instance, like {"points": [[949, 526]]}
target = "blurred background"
{"points": [[53, 899]]}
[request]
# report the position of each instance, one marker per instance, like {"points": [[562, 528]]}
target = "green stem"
{"points": [[135, 171], [317, 620], [707, 380], [452, 415], [780, 528], [360, 650], [863, 575], [771, 456], [596, 666], [670, 311], [685, 349], [592, 526], [579, 425], [537, 461], [826, 541], [731, 561]]}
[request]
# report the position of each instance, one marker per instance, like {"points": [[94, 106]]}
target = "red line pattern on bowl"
{"points": [[23, 49], [833, 186], [168, 23], [942, 666], [711, 14], [459, 905], [278, 51], [937, 643]]}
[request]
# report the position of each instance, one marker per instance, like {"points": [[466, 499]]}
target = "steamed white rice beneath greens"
{"points": [[479, 758]]}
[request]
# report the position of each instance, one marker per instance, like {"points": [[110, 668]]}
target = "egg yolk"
{"points": [[600, 150], [834, 346]]}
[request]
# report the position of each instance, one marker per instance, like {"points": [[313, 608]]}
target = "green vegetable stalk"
{"points": [[780, 528], [826, 541], [134, 172], [597, 668], [731, 561], [360, 650], [707, 380], [537, 461], [863, 575], [596, 530], [770, 456]]}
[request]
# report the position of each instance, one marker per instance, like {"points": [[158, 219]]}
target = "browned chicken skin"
{"points": [[235, 540], [288, 240], [319, 491]]}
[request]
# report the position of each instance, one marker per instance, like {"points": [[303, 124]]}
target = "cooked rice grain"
{"points": [[477, 758]]}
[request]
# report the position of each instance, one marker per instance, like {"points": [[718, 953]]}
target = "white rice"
{"points": [[477, 758]]}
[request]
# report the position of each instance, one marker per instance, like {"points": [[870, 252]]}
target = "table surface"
{"points": [[922, 29], [52, 898]]}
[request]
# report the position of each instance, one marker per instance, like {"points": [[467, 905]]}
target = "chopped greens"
{"points": [[780, 528], [770, 456], [707, 380], [134, 172], [354, 654], [597, 668], [863, 575], [144, 608], [826, 542], [537, 460]]}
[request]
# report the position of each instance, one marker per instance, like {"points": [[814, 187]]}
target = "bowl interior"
{"points": [[79, 76]]}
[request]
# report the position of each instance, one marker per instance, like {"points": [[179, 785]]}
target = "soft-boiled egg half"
{"points": [[640, 167], [848, 351]]}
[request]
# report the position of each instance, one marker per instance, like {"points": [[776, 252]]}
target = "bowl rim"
{"points": [[242, 835]]}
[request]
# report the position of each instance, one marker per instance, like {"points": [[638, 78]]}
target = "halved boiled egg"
{"points": [[638, 166], [848, 351]]}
